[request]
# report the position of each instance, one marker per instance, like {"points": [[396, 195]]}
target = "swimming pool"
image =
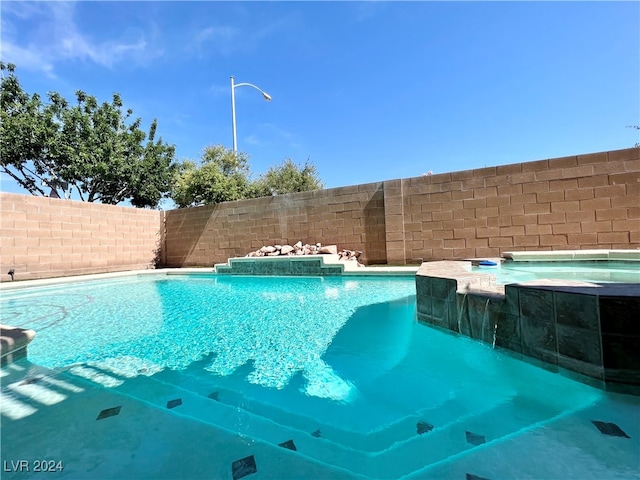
{"points": [[586, 271], [297, 377]]}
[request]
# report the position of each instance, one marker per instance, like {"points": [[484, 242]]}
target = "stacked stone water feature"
{"points": [[307, 249]]}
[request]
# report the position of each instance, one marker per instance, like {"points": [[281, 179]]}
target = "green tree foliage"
{"points": [[222, 176], [93, 148], [288, 178]]}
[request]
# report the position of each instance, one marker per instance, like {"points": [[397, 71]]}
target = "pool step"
{"points": [[454, 439], [407, 456], [401, 458], [385, 438], [377, 439], [235, 420]]}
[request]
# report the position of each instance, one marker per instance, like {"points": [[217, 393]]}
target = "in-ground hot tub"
{"points": [[588, 328]]}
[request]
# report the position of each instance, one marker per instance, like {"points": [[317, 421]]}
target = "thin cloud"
{"points": [[218, 90], [278, 131], [366, 10], [54, 36], [26, 58], [217, 34], [253, 140], [274, 131], [227, 40]]}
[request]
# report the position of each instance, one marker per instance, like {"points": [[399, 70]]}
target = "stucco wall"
{"points": [[578, 202], [48, 237]]}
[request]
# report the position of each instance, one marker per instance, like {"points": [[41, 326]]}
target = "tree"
{"points": [[288, 178], [23, 132], [94, 148], [222, 176]]}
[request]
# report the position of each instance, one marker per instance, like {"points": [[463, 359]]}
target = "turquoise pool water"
{"points": [[335, 371], [585, 271]]}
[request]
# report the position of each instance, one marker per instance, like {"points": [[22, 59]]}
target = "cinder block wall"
{"points": [[350, 217], [48, 237], [578, 202]]}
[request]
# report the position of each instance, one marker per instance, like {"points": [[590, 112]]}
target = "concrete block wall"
{"points": [[44, 237], [578, 202], [349, 217]]}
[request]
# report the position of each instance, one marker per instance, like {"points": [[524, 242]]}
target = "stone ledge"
{"points": [[13, 343]]}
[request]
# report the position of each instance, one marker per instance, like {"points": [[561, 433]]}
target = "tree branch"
{"points": [[26, 182]]}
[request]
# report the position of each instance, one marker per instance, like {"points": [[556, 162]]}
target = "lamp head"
{"points": [[266, 96]]}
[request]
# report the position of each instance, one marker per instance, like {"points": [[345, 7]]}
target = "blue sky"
{"points": [[368, 91]]}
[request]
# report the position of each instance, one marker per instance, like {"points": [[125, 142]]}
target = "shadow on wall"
{"points": [[185, 228], [349, 217], [374, 238]]}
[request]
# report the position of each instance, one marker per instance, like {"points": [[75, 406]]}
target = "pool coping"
{"points": [[208, 271], [568, 255]]}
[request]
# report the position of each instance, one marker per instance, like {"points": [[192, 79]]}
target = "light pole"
{"points": [[266, 96]]}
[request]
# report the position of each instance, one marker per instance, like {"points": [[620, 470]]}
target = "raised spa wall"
{"points": [[590, 330], [13, 343]]}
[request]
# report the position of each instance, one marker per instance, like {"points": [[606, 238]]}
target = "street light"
{"points": [[266, 96]]}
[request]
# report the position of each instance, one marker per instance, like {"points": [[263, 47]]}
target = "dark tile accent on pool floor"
{"points": [[317, 434], [174, 403], [243, 467], [109, 412], [29, 381], [471, 476], [474, 438], [423, 427], [288, 444], [213, 396], [612, 429]]}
